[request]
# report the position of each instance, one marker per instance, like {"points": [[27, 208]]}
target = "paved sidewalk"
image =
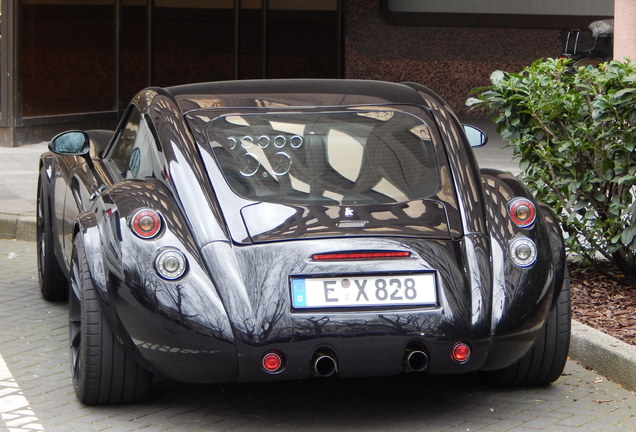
{"points": [[18, 186], [18, 178], [36, 392]]}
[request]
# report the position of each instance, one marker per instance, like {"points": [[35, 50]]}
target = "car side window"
{"points": [[131, 156]]}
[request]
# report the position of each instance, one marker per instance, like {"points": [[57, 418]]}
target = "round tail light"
{"points": [[460, 352], [523, 251], [272, 362], [522, 212], [170, 264], [145, 223]]}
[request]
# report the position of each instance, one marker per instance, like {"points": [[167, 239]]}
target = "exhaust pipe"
{"points": [[415, 360], [324, 364]]}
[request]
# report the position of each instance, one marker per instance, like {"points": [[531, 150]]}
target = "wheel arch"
{"points": [[519, 314], [86, 227], [558, 247], [546, 219]]}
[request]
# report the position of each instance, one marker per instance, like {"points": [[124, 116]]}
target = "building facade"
{"points": [[76, 63]]}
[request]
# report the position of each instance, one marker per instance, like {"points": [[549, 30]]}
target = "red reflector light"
{"points": [[360, 256], [522, 212], [272, 362], [146, 223], [460, 352]]}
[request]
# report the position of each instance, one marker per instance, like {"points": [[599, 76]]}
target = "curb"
{"points": [[17, 227], [605, 354], [593, 349]]}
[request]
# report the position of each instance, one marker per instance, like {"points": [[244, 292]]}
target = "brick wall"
{"points": [[449, 60]]}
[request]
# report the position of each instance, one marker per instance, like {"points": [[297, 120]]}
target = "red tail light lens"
{"points": [[460, 352], [344, 256], [522, 212], [146, 223], [272, 362]]}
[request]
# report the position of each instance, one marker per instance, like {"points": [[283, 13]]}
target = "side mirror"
{"points": [[476, 137], [72, 143]]}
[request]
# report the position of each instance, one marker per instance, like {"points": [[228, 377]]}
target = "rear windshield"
{"points": [[326, 158]]}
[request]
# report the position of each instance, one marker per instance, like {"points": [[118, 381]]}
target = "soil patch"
{"points": [[603, 303]]}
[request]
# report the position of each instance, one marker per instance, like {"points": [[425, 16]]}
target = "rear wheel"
{"points": [[545, 361], [103, 371], [53, 283]]}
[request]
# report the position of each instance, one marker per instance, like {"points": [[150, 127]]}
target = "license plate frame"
{"points": [[359, 291]]}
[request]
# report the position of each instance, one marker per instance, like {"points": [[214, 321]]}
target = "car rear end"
{"points": [[348, 254]]}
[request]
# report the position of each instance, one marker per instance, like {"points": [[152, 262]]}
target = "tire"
{"points": [[545, 361], [103, 371], [53, 283]]}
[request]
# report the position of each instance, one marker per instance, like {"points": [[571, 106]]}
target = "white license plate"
{"points": [[361, 291]]}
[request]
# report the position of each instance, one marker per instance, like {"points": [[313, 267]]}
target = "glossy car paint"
{"points": [[233, 305]]}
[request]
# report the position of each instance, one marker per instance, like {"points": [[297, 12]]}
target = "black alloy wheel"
{"points": [[53, 283], [103, 371]]}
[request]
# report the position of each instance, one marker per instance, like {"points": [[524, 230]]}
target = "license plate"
{"points": [[417, 289]]}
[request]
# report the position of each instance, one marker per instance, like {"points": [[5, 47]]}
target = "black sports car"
{"points": [[281, 229]]}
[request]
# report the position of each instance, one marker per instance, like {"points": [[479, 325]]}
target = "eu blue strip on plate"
{"points": [[299, 297]]}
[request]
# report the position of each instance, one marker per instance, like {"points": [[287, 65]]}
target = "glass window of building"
{"points": [[302, 39], [134, 55], [250, 39], [66, 56], [193, 40], [92, 56]]}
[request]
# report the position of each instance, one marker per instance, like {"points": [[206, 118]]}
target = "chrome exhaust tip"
{"points": [[415, 360], [324, 364]]}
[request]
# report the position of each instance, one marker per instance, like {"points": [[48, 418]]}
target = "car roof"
{"points": [[296, 92]]}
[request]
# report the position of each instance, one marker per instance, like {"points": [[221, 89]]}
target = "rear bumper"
{"points": [[219, 329], [360, 356]]}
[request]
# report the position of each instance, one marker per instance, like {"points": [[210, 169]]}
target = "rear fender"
{"points": [[522, 297], [86, 227], [558, 247], [546, 221], [153, 315]]}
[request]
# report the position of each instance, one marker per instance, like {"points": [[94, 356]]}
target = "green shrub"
{"points": [[574, 131]]}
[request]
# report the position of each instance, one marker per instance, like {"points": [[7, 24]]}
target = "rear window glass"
{"points": [[325, 158]]}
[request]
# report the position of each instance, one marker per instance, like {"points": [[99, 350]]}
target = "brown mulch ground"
{"points": [[603, 303]]}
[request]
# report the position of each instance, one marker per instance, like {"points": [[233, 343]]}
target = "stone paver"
{"points": [[36, 391]]}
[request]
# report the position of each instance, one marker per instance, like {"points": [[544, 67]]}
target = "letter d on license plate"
{"points": [[416, 289]]}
